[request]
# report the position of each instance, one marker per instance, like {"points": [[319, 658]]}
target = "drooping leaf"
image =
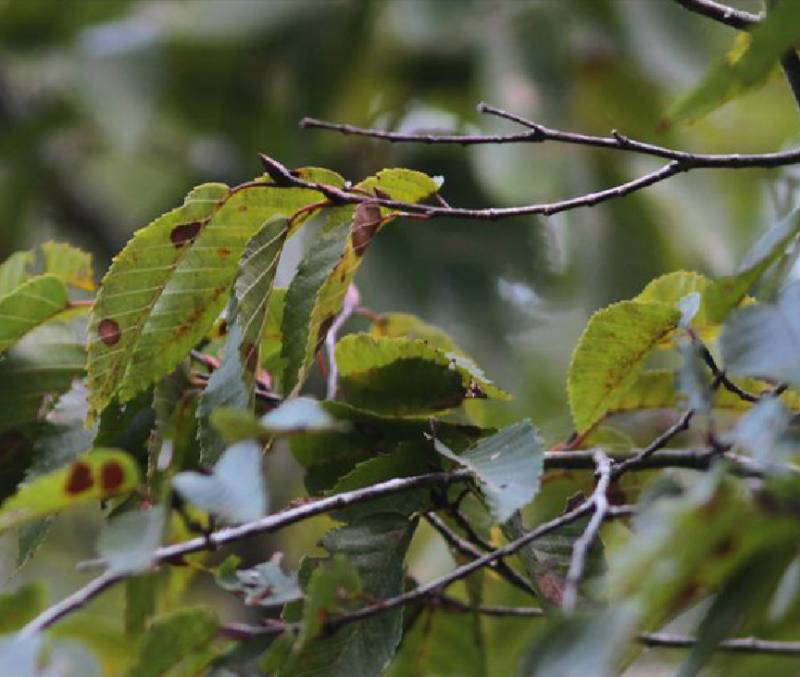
{"points": [[14, 271], [128, 541], [759, 431], [171, 638], [764, 340], [610, 356], [99, 474], [234, 491], [21, 606], [233, 383], [318, 289], [508, 466], [407, 376], [30, 305], [71, 265], [746, 66]]}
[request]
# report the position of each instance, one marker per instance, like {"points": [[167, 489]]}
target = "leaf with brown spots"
{"points": [[95, 475]]}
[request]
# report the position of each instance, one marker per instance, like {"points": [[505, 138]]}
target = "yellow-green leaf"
{"points": [[610, 355], [30, 304], [93, 476], [14, 271], [71, 265]]}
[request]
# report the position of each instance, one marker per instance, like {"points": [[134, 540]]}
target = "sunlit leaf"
{"points": [[71, 265], [407, 376], [171, 638], [508, 466], [99, 474], [21, 606], [746, 66], [234, 491], [394, 325], [610, 356]]}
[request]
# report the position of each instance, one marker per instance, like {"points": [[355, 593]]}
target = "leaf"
{"points": [[235, 491], [41, 366], [171, 638], [14, 271], [297, 415], [395, 325], [128, 541], [407, 376], [22, 653], [232, 384], [265, 584], [175, 275], [746, 66], [31, 304], [372, 549], [672, 288], [610, 356], [97, 475], [141, 594], [21, 606], [71, 265], [508, 466], [693, 383], [764, 340], [318, 289], [760, 430]]}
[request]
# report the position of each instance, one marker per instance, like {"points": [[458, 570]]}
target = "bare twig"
{"points": [[661, 441], [665, 640], [351, 300], [582, 545], [470, 550]]}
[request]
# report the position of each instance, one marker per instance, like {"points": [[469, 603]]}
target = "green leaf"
{"points": [[97, 475], [31, 304], [395, 325], [141, 594], [407, 376], [297, 415], [14, 271], [17, 608], [508, 466], [366, 557], [671, 288], [232, 384], [764, 340], [610, 356], [235, 491], [265, 584], [128, 541], [171, 638], [746, 66], [318, 289], [71, 265]]}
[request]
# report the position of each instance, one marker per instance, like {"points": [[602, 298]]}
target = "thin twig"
{"points": [[661, 441], [582, 545], [470, 550], [665, 640], [351, 300]]}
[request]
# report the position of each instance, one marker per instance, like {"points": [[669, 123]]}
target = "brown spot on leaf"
{"points": [[108, 331], [111, 476], [185, 233], [242, 208], [79, 478], [366, 221], [550, 586], [224, 252]]}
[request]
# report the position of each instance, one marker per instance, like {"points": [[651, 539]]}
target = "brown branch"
{"points": [[665, 640]]}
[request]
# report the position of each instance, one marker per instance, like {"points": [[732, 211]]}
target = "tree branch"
{"points": [[582, 545]]}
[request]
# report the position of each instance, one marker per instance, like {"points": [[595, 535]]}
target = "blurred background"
{"points": [[110, 110]]}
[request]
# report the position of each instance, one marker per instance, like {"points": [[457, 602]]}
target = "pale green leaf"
{"points": [[31, 304], [128, 541], [71, 265], [508, 466], [610, 356], [14, 271], [407, 376]]}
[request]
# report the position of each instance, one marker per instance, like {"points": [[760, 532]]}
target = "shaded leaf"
{"points": [[21, 606], [508, 466], [610, 356], [22, 653], [171, 638], [407, 376], [14, 271], [760, 430], [128, 541], [234, 491], [265, 584], [99, 474]]}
